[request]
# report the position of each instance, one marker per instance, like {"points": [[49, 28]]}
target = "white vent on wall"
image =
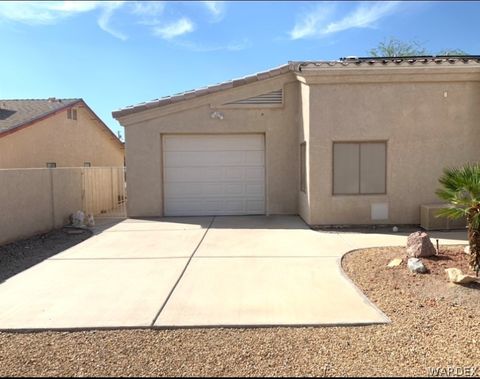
{"points": [[379, 211], [271, 98]]}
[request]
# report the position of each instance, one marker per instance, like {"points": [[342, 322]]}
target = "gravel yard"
{"points": [[434, 324]]}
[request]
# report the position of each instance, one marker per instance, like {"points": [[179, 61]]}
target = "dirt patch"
{"points": [[18, 256], [424, 335]]}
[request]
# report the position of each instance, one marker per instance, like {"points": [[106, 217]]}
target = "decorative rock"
{"points": [[415, 265], [419, 245], [466, 250], [395, 262], [78, 218], [456, 276], [90, 220]]}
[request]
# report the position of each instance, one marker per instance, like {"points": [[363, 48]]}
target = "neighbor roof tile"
{"points": [[15, 113]]}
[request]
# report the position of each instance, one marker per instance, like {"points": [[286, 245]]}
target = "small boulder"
{"points": [[420, 246], [78, 218], [395, 262], [90, 221], [456, 276], [466, 250], [416, 266]]}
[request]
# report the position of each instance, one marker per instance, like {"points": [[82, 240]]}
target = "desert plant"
{"points": [[394, 47], [461, 189]]}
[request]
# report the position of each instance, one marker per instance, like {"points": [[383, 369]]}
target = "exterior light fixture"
{"points": [[216, 115]]}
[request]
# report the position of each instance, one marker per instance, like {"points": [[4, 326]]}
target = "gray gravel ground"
{"points": [[426, 332]]}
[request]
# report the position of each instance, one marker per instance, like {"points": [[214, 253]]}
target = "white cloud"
{"points": [[309, 23], [148, 8], [44, 12], [175, 29], [150, 14], [50, 12], [28, 12], [363, 17], [75, 6], [319, 22], [215, 8], [104, 19]]}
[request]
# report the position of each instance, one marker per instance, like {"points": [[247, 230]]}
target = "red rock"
{"points": [[420, 246]]}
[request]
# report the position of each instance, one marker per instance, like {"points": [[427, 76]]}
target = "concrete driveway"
{"points": [[197, 272]]}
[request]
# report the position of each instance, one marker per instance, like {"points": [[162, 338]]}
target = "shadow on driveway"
{"points": [[19, 256]]}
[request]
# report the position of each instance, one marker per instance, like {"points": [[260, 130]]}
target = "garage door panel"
{"points": [[254, 189], [191, 207], [212, 158], [193, 174], [236, 189], [256, 158], [255, 173], [254, 206], [234, 173], [234, 206], [214, 175], [174, 191], [233, 142], [214, 189]]}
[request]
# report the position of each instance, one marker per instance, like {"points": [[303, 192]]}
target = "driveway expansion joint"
{"points": [[116, 259], [181, 274]]}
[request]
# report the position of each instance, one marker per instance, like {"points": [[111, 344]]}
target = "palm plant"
{"points": [[461, 189]]}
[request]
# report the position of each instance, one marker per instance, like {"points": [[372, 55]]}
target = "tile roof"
{"points": [[16, 113], [203, 91], [19, 113], [299, 66], [389, 61]]}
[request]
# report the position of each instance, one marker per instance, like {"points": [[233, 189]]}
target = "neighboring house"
{"points": [[55, 133], [354, 141]]}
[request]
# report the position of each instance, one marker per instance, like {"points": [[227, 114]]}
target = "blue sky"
{"points": [[114, 54]]}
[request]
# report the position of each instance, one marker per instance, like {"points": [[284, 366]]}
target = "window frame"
{"points": [[72, 114], [51, 164], [359, 143], [87, 164]]}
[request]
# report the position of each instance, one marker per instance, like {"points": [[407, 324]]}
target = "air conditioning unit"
{"points": [[430, 221]]}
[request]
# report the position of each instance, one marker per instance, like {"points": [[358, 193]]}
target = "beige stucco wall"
{"points": [[69, 143], [428, 115], [428, 125], [144, 152], [38, 200]]}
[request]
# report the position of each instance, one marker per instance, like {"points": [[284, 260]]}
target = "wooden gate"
{"points": [[104, 191]]}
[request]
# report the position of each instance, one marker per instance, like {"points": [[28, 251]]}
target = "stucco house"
{"points": [[353, 141], [55, 133]]}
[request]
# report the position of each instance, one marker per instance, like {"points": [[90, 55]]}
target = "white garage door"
{"points": [[214, 174]]}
